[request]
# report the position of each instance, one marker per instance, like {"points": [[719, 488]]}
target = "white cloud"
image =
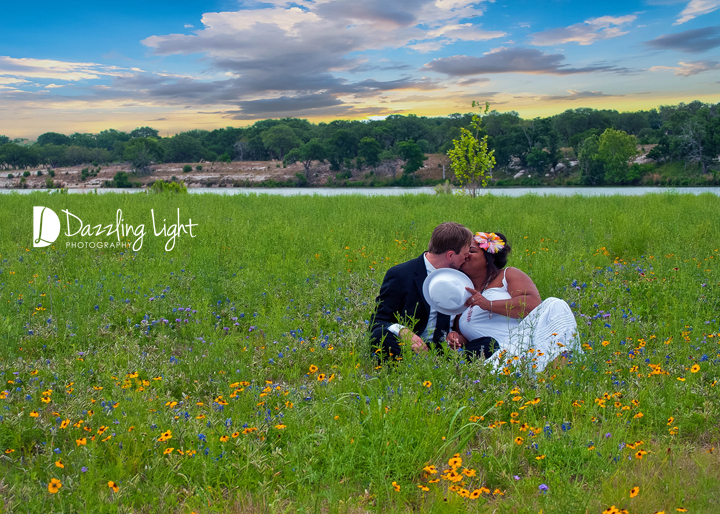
{"points": [[697, 8], [687, 69], [585, 33], [56, 70]]}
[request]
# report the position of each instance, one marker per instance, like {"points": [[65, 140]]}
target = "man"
{"points": [[401, 302]]}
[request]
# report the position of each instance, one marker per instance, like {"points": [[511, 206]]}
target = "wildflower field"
{"points": [[232, 373]]}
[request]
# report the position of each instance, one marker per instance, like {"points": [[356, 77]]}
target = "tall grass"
{"points": [[248, 344]]}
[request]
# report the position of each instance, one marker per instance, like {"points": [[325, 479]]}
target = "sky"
{"points": [[86, 66]]}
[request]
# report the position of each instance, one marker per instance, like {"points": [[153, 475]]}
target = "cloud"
{"points": [[469, 82], [298, 50], [689, 41], [56, 70], [576, 95], [585, 33], [512, 60], [189, 26], [697, 8], [687, 69]]}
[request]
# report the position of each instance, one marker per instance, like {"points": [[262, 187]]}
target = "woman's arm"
{"points": [[524, 296]]}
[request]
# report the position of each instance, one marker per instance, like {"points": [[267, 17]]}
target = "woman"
{"points": [[506, 319]]}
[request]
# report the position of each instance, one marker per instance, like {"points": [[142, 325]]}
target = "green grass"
{"points": [[278, 286]]}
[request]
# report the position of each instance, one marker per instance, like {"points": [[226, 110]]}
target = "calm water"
{"points": [[396, 191]]}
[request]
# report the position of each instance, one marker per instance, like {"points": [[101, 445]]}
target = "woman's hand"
{"points": [[455, 340], [477, 299]]}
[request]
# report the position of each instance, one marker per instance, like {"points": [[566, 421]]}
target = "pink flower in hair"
{"points": [[490, 242]]}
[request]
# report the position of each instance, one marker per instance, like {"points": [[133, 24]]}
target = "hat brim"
{"points": [[447, 273]]}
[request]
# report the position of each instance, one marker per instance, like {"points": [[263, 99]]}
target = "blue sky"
{"points": [[176, 66]]}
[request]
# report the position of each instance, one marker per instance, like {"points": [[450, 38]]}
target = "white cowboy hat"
{"points": [[444, 289]]}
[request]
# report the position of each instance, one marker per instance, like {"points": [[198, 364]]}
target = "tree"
{"points": [[414, 157], [313, 150], [53, 138], [700, 135], [537, 159], [592, 172], [280, 139], [53, 155], [84, 140], [183, 148], [141, 152], [369, 149], [615, 149], [469, 157], [144, 132], [4, 139]]}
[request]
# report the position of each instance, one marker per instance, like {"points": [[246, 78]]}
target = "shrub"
{"points": [[38, 173], [160, 186], [51, 172], [198, 167], [26, 173], [187, 168], [10, 175], [49, 183]]}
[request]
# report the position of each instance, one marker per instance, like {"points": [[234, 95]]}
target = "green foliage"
{"points": [[160, 186], [281, 139], [413, 156], [26, 173], [187, 168], [198, 167], [370, 149], [470, 158], [141, 152], [615, 149], [121, 179], [183, 148]]}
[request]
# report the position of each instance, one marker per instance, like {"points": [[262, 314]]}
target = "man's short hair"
{"points": [[449, 236]]}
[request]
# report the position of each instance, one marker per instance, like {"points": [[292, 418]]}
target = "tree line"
{"points": [[602, 141]]}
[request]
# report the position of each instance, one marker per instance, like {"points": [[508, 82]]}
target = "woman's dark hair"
{"points": [[497, 261]]}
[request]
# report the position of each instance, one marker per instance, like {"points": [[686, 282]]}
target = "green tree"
{"points": [[144, 132], [615, 149], [183, 148], [369, 149], [311, 151], [592, 172], [413, 156], [53, 138], [280, 139], [537, 159], [470, 158], [141, 152], [53, 155]]}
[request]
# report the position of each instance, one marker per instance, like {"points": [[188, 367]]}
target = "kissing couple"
{"points": [[461, 292]]}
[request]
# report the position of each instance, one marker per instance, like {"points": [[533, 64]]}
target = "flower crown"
{"points": [[490, 242]]}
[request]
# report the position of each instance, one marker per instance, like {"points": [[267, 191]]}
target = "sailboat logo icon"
{"points": [[46, 226]]}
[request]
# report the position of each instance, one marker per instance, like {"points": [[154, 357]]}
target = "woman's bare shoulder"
{"points": [[513, 274]]}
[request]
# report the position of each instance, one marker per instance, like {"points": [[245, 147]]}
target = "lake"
{"points": [[397, 191]]}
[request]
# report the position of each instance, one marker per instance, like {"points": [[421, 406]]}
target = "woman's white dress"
{"points": [[537, 339]]}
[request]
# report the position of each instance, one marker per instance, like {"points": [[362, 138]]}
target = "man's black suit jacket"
{"points": [[401, 298]]}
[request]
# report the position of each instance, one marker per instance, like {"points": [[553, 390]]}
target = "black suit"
{"points": [[401, 297]]}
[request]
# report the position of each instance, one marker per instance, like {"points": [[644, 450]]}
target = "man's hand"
{"points": [[455, 340], [417, 344]]}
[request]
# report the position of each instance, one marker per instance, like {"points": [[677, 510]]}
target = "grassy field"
{"points": [[232, 372]]}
